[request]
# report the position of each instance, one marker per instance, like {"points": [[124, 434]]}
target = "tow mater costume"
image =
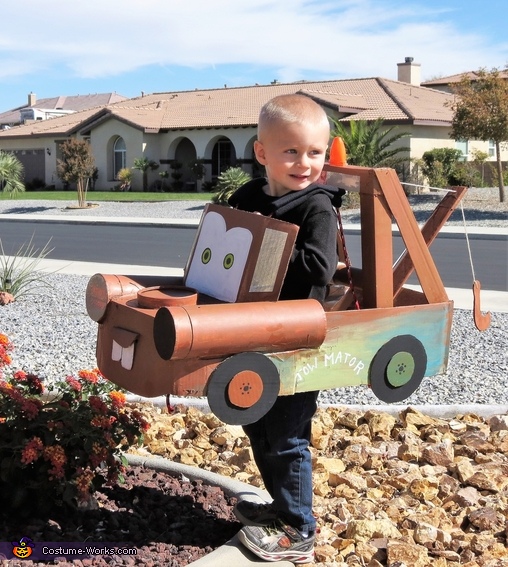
{"points": [[220, 331]]}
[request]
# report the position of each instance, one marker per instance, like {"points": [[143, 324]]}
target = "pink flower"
{"points": [[73, 383], [83, 481], [31, 408], [103, 422], [20, 375], [56, 455], [32, 451], [97, 404]]}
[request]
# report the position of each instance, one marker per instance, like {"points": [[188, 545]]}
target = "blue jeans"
{"points": [[280, 444]]}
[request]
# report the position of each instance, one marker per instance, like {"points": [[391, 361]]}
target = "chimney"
{"points": [[32, 99], [409, 72]]}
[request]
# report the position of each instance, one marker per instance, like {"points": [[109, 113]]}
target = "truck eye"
{"points": [[206, 256], [229, 260]]}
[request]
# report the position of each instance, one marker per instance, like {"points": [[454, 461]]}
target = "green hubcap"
{"points": [[400, 369]]}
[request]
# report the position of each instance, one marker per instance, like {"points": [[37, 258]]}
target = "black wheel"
{"points": [[398, 368], [243, 388]]}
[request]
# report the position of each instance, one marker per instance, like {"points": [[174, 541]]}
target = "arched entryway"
{"points": [[223, 156]]}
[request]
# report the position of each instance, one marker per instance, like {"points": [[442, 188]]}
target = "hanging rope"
{"points": [[440, 189], [467, 240], [347, 261], [481, 321]]}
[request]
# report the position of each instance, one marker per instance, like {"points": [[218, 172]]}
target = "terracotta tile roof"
{"points": [[472, 75], [353, 99], [421, 105]]}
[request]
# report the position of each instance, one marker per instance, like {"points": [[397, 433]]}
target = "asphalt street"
{"points": [[163, 245]]}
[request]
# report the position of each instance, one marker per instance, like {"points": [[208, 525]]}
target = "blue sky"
{"points": [[60, 47]]}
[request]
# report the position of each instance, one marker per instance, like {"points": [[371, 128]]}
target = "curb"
{"points": [[437, 411], [232, 552], [450, 230]]}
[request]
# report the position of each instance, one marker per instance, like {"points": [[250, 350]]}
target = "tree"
{"points": [[76, 166], [176, 175], [11, 174], [480, 112], [144, 165], [368, 144]]}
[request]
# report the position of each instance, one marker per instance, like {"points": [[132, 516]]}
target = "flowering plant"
{"points": [[61, 443]]}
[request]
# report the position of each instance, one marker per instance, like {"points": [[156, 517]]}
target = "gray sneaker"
{"points": [[278, 542], [254, 513]]}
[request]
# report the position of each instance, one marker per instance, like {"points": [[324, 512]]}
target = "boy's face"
{"points": [[293, 155]]}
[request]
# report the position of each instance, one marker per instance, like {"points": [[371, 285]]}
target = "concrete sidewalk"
{"points": [[495, 301]]}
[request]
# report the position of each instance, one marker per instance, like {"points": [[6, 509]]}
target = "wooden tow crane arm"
{"points": [[416, 246], [404, 266], [381, 199], [382, 196]]}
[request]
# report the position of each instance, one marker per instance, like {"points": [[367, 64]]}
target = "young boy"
{"points": [[293, 136]]}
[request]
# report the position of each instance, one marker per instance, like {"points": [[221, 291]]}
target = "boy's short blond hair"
{"points": [[290, 109]]}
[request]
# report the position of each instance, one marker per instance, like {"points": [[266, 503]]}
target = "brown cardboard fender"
{"points": [[239, 256], [208, 331]]}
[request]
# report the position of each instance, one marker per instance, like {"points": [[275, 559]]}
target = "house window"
{"points": [[462, 146], [492, 148], [119, 156], [223, 156]]}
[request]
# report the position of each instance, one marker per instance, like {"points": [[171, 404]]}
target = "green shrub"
{"points": [[19, 274], [466, 173], [228, 182], [124, 175], [439, 166]]}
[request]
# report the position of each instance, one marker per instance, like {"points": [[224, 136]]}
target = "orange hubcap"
{"points": [[245, 389]]}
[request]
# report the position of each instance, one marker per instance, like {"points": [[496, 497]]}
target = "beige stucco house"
{"points": [[218, 126]]}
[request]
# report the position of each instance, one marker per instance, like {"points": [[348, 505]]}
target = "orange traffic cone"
{"points": [[338, 152]]}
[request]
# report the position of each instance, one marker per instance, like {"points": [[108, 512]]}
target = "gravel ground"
{"points": [[53, 335]]}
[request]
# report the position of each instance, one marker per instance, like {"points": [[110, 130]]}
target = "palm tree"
{"points": [[11, 174], [368, 144], [144, 164]]}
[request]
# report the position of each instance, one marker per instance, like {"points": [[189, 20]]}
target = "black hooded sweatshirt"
{"points": [[314, 258]]}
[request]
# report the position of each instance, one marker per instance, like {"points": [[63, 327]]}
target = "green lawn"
{"points": [[92, 196]]}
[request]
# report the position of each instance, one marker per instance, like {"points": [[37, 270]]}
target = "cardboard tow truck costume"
{"points": [[220, 332]]}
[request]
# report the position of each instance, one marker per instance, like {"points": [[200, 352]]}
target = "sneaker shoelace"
{"points": [[277, 526]]}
